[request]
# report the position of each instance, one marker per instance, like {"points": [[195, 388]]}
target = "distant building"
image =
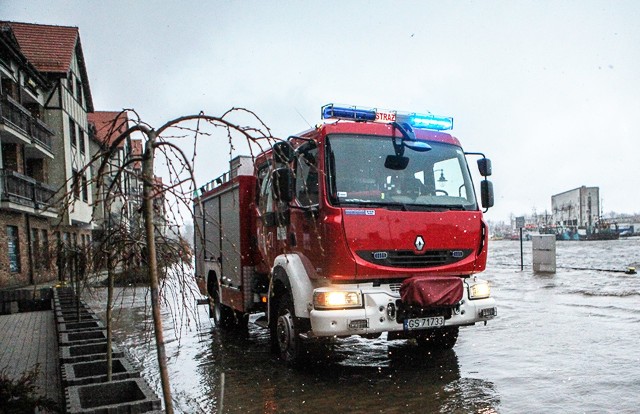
{"points": [[159, 207], [120, 185], [579, 207]]}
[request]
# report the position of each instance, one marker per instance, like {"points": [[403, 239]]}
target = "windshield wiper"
{"points": [[429, 207], [402, 206], [448, 206], [395, 206]]}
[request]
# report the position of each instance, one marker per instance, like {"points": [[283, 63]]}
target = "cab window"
{"points": [[307, 177]]}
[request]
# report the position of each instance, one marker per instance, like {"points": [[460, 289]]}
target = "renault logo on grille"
{"points": [[380, 255], [419, 243]]}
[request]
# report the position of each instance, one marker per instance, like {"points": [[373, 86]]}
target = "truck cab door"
{"points": [[264, 206], [306, 225], [272, 219]]}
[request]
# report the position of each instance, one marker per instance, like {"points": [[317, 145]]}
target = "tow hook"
{"points": [[456, 310], [391, 311]]}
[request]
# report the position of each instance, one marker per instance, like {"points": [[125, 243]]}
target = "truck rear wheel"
{"points": [[223, 316], [284, 333], [438, 339]]}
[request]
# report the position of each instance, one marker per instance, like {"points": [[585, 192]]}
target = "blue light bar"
{"points": [[420, 121], [429, 121], [348, 112]]}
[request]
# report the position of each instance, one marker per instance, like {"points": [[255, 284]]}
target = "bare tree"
{"points": [[149, 237]]}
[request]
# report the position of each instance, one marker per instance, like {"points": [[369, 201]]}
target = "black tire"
{"points": [[284, 332], [223, 316], [438, 339]]}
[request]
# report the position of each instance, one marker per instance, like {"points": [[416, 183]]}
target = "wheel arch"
{"points": [[212, 271], [290, 274]]}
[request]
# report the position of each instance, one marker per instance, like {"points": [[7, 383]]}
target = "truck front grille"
{"points": [[411, 259]]}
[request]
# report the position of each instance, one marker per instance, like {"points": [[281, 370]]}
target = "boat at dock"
{"points": [[602, 230]]}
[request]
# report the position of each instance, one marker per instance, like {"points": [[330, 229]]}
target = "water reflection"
{"points": [[213, 371], [240, 375]]}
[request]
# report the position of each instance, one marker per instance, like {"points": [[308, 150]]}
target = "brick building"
{"points": [[26, 154], [45, 151]]}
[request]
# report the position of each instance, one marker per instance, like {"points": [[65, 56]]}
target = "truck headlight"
{"points": [[479, 290], [337, 299]]}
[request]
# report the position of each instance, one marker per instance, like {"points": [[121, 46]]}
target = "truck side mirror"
{"points": [[486, 193], [283, 184], [484, 165], [283, 152]]}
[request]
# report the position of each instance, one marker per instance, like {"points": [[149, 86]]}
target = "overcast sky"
{"points": [[549, 90]]}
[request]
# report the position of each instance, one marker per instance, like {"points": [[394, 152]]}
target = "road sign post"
{"points": [[520, 226]]}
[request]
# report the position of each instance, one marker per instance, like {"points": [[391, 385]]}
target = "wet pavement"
{"points": [[28, 340], [564, 342]]}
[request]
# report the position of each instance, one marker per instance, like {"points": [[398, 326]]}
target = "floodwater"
{"points": [[567, 342]]}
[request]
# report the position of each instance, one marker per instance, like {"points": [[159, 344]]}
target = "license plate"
{"points": [[423, 323]]}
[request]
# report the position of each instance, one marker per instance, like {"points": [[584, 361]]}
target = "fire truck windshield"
{"points": [[437, 179]]}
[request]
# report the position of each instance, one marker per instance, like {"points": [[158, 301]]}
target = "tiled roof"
{"points": [[106, 129], [49, 48], [12, 48]]}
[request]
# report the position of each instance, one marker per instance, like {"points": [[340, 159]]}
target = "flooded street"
{"points": [[566, 342]]}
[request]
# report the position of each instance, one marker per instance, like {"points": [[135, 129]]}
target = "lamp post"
{"points": [[441, 179]]}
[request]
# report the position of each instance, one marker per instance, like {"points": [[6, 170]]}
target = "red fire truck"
{"points": [[366, 224]]}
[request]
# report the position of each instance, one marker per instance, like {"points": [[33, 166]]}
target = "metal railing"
{"points": [[20, 189], [17, 115], [41, 133]]}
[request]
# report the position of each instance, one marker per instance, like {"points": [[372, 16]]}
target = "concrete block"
{"points": [[126, 396], [13, 307], [69, 317], [82, 337], [60, 309], [543, 241], [80, 326], [544, 253], [87, 352], [96, 371], [69, 304], [67, 311]]}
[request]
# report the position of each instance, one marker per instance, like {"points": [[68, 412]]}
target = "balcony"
{"points": [[21, 193], [14, 115]]}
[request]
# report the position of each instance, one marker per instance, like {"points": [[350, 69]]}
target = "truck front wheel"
{"points": [[438, 339], [285, 329]]}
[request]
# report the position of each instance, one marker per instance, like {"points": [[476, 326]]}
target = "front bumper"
{"points": [[375, 317]]}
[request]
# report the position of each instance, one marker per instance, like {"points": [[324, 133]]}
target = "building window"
{"points": [[70, 83], [72, 132], [85, 189], [46, 255], [35, 247], [13, 248], [10, 88], [75, 185], [81, 139], [79, 90]]}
